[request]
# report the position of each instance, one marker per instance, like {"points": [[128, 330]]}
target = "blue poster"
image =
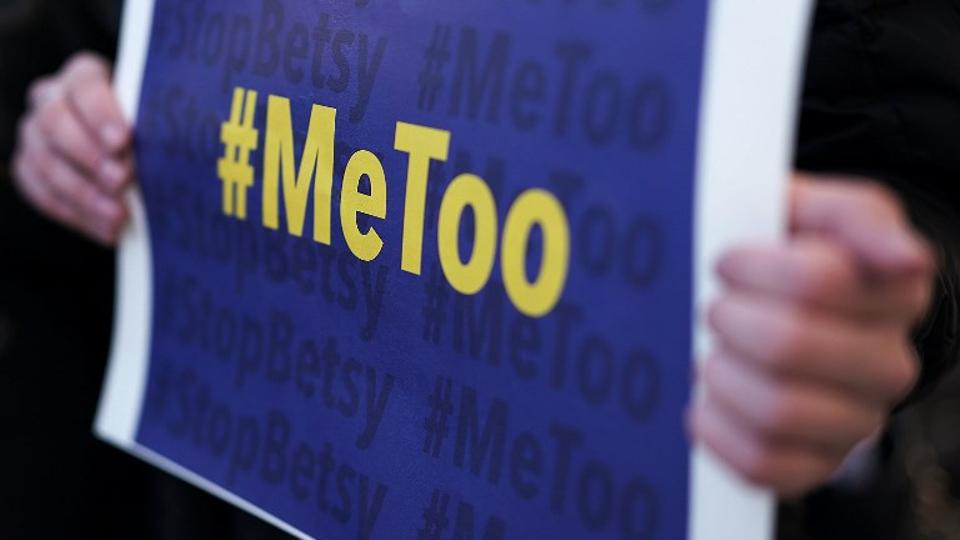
{"points": [[423, 268]]}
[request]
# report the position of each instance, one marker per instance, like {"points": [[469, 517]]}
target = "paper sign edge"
{"points": [[752, 80], [124, 384]]}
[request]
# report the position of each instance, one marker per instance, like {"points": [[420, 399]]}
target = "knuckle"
{"points": [[905, 372], [822, 280], [85, 61], [786, 338], [83, 69], [783, 413], [82, 193], [86, 85], [40, 89]]}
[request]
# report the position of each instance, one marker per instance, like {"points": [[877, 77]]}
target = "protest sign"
{"points": [[431, 269]]}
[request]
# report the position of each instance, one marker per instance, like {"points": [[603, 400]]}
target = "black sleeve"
{"points": [[882, 100], [36, 38]]}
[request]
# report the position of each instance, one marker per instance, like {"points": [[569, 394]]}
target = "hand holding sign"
{"points": [[814, 336], [74, 158]]}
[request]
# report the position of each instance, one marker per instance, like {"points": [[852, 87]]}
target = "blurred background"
{"points": [[56, 304]]}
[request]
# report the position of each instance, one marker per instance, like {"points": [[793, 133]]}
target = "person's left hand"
{"points": [[73, 159]]}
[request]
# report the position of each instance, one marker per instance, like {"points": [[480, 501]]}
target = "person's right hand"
{"points": [[814, 335], [73, 157]]}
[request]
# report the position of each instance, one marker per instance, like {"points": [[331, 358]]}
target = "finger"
{"points": [[865, 218], [90, 93], [102, 215], [874, 361], [785, 469], [115, 173], [66, 135], [80, 203], [94, 215], [821, 274], [86, 64], [42, 91], [788, 410], [92, 211], [34, 189], [61, 191], [97, 105]]}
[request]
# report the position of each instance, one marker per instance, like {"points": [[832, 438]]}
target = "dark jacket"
{"points": [[56, 302]]}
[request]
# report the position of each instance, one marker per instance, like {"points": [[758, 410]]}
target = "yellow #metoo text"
{"points": [[532, 208]]}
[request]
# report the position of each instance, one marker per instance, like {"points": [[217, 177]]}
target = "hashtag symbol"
{"points": [[431, 78], [435, 518], [434, 312], [239, 138], [441, 407]]}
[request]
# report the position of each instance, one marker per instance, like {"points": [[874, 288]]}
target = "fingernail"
{"points": [[113, 136], [113, 174]]}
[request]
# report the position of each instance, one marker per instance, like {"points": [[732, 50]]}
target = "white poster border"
{"points": [[752, 70]]}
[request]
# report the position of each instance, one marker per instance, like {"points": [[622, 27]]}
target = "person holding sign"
{"points": [[815, 334]]}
